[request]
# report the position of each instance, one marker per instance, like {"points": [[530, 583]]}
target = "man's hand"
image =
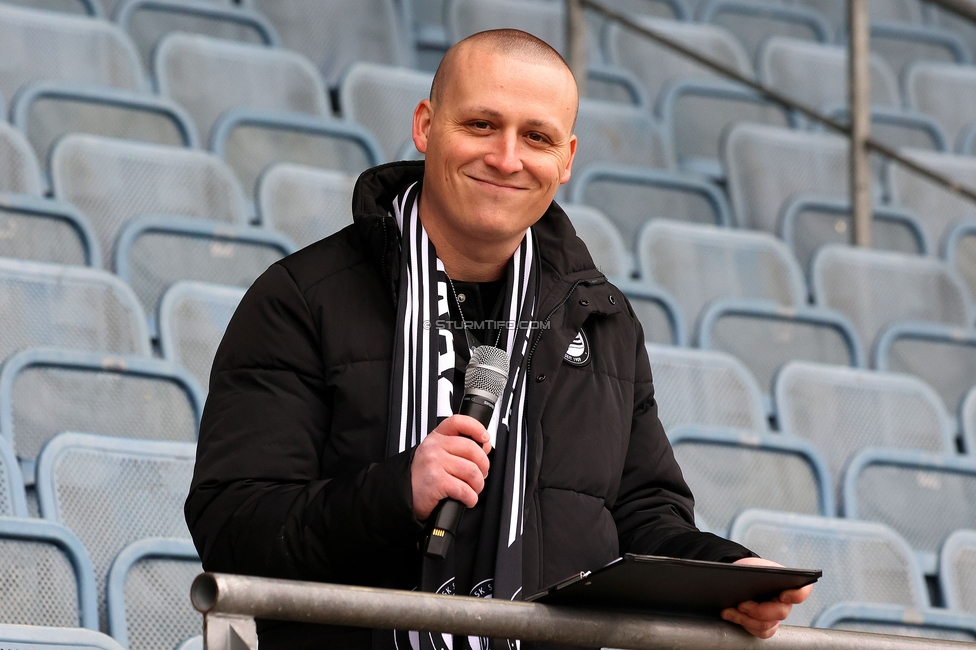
{"points": [[450, 463], [763, 619]]}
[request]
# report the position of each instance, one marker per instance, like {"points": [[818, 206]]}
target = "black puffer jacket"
{"points": [[291, 478]]}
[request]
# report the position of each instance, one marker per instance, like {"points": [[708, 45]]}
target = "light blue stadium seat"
{"points": [[877, 289], [697, 112], [844, 410], [251, 141], [113, 181], [33, 637], [753, 22], [924, 497], [38, 45], [765, 335], [46, 230], [148, 21], [835, 11], [192, 320], [13, 500], [950, 21], [306, 204], [957, 571], [809, 222], [602, 239], [925, 623], [631, 196], [545, 20], [76, 7], [426, 20], [704, 388], [938, 90], [731, 470], [902, 44], [153, 252], [114, 491], [20, 171], [697, 264], [149, 594], [610, 83], [860, 560], [659, 313], [959, 251], [46, 575]]}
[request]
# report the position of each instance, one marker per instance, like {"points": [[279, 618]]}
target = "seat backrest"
{"points": [[38, 45], [815, 74], [659, 314], [937, 208], [305, 203], [113, 181], [114, 491], [544, 20], [335, 34], [192, 320], [208, 76], [698, 264], [46, 575], [704, 387], [75, 7], [949, 21], [754, 22], [844, 410], [959, 251], [34, 637], [382, 99], [939, 89], [13, 500], [69, 307], [602, 240], [44, 230], [148, 585], [877, 289], [617, 133], [860, 560], [46, 391], [155, 251], [924, 497], [767, 166], [957, 571], [901, 45], [20, 171], [927, 623], [730, 470], [630, 50]]}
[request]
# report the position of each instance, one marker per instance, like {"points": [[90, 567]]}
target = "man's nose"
{"points": [[504, 154]]}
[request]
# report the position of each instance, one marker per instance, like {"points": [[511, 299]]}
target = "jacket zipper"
{"points": [[535, 344]]}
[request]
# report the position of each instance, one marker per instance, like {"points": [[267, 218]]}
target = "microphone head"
{"points": [[487, 370]]}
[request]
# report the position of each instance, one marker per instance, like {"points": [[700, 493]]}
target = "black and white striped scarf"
{"points": [[422, 389]]}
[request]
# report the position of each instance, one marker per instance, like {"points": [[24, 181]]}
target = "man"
{"points": [[328, 439]]}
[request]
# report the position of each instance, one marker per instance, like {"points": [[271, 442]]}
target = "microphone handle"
{"points": [[447, 514]]}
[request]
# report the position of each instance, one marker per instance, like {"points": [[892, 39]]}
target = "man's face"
{"points": [[498, 144]]}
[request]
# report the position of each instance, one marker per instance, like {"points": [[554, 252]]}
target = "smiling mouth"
{"points": [[494, 184]]}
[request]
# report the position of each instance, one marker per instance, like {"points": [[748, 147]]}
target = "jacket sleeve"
{"points": [[654, 510], [258, 503]]}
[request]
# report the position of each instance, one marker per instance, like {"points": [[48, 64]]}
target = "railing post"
{"points": [[576, 43], [859, 95], [229, 632]]}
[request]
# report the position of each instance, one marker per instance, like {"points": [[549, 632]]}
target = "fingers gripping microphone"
{"points": [[484, 381]]}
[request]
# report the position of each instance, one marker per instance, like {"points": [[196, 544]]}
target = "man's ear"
{"points": [[422, 116], [568, 171]]}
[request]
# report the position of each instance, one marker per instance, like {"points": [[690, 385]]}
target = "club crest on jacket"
{"points": [[578, 353]]}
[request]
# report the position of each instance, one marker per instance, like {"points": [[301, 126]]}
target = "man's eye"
{"points": [[480, 125], [537, 137]]}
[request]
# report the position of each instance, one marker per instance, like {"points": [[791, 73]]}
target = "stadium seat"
{"points": [[112, 181], [765, 335], [44, 45], [902, 44], [698, 264], [13, 500], [659, 314], [33, 637], [922, 496], [815, 75], [336, 34], [926, 623], [542, 19], [960, 253], [957, 571], [148, 594], [630, 50], [382, 99], [153, 252], [835, 11], [860, 561], [251, 141], [207, 76], [602, 239], [753, 22], [46, 575], [697, 112], [46, 391], [76, 7], [613, 84], [44, 230], [704, 388], [843, 410], [731, 470], [937, 208], [939, 89], [767, 166], [192, 320], [305, 203], [19, 170], [951, 22], [942, 356], [811, 222], [148, 21], [631, 196], [112, 492]]}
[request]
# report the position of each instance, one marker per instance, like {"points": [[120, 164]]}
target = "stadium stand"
{"points": [[926, 623], [753, 22], [861, 561], [960, 252], [957, 570], [659, 314], [602, 239], [938, 89], [44, 230], [19, 170]]}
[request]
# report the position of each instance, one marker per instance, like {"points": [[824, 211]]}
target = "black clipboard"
{"points": [[649, 582]]}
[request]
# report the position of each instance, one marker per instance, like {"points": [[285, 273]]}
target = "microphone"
{"points": [[484, 381]]}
